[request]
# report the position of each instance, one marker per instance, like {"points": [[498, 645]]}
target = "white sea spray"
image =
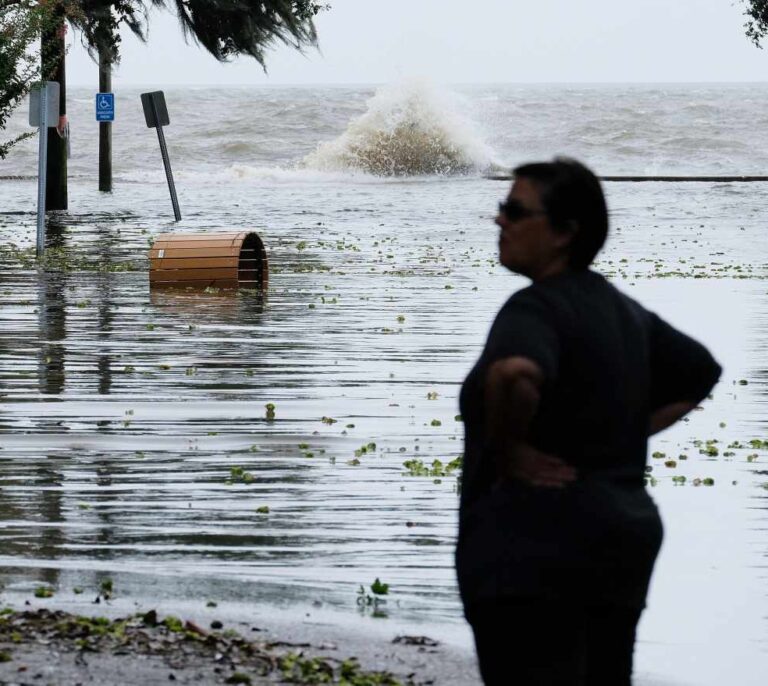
{"points": [[408, 129]]}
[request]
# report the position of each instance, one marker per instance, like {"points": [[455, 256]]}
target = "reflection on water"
{"points": [[136, 443]]}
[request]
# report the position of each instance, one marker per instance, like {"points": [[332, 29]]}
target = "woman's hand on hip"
{"points": [[525, 463]]}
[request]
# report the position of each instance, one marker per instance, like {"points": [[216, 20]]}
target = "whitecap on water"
{"points": [[409, 129]]}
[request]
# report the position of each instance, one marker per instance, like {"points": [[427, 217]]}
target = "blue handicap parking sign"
{"points": [[105, 106]]}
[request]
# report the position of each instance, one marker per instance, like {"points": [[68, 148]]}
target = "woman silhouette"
{"points": [[557, 534]]}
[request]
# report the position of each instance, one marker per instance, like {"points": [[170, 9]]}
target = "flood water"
{"points": [[135, 444]]}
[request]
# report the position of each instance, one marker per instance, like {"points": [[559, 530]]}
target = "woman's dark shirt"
{"points": [[607, 364]]}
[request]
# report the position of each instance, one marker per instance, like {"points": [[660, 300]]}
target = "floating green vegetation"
{"points": [[379, 588], [703, 482], [328, 420], [58, 259], [270, 411], [298, 669], [435, 422], [239, 475], [432, 395], [263, 509], [709, 446], [365, 449], [43, 592], [657, 267], [436, 469], [375, 601]]}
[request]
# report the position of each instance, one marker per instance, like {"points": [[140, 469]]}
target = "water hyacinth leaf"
{"points": [[379, 588], [174, 624]]}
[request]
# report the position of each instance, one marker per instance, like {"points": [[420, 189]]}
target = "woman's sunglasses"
{"points": [[514, 211]]}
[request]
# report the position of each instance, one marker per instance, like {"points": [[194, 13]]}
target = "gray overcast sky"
{"points": [[375, 41]]}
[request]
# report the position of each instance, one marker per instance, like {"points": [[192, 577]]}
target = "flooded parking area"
{"points": [[137, 444]]}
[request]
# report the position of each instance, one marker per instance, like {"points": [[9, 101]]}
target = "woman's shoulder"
{"points": [[565, 297], [552, 295]]}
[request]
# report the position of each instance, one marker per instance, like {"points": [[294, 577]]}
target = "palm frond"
{"points": [[226, 28], [757, 25]]}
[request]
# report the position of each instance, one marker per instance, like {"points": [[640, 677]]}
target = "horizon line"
{"points": [[342, 84]]}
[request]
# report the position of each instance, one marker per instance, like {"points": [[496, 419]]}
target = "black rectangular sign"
{"points": [[155, 110]]}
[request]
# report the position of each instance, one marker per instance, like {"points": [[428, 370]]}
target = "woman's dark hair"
{"points": [[573, 200]]}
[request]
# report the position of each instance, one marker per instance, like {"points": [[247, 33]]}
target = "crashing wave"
{"points": [[407, 130]]}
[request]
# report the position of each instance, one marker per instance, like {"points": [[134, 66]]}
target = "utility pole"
{"points": [[105, 127], [52, 54]]}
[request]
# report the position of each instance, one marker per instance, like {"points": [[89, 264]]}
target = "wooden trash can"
{"points": [[220, 260]]}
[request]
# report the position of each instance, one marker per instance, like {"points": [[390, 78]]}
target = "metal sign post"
{"points": [[43, 111], [156, 115]]}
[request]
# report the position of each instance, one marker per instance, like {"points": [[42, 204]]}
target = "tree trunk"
{"points": [[53, 51], [105, 128]]}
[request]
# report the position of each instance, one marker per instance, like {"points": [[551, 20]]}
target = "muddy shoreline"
{"points": [[43, 646]]}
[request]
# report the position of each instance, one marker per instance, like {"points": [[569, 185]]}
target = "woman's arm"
{"points": [[512, 395], [666, 416]]}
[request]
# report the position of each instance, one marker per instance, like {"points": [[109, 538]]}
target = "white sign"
{"points": [[52, 93]]}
